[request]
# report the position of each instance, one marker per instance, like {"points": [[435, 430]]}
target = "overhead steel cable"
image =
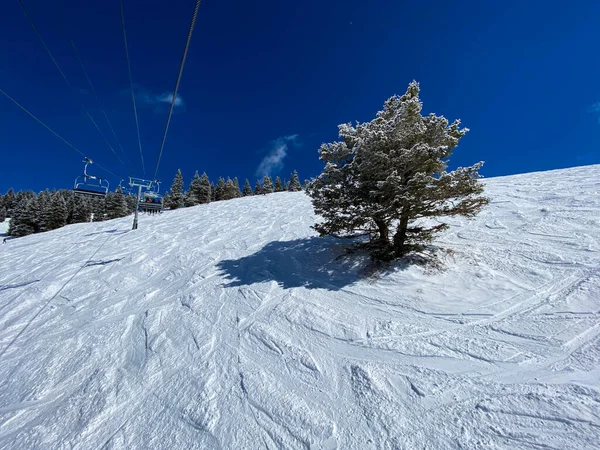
{"points": [[174, 99], [30, 20], [137, 122], [110, 126], [2, 91]]}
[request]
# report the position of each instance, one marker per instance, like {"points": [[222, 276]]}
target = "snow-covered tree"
{"points": [[58, 214], [278, 185], [2, 213], [25, 217], [295, 182], [236, 184], [192, 195], [247, 188], [387, 174], [213, 192], [9, 201], [220, 189], [267, 185], [166, 201], [176, 193], [204, 192], [80, 210], [257, 188], [44, 199], [116, 204]]}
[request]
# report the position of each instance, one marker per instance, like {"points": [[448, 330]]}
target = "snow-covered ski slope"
{"points": [[230, 326]]}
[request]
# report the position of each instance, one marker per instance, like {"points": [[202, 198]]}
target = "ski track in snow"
{"points": [[231, 325]]}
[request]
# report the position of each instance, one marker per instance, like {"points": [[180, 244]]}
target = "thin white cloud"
{"points": [[273, 162], [145, 97]]}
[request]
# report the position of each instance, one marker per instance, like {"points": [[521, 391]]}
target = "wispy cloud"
{"points": [[145, 97], [273, 162]]}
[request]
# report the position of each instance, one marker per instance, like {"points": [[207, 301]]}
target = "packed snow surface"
{"points": [[231, 326]]}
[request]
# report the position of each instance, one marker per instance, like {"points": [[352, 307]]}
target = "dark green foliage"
{"points": [[247, 188], [58, 213], [220, 189], [257, 188], [116, 205], [267, 185], [204, 192], [278, 185], [383, 176], [294, 182], [191, 197], [176, 193]]}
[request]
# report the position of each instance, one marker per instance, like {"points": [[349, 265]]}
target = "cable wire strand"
{"points": [[30, 20], [137, 123], [87, 77], [2, 91], [185, 52]]}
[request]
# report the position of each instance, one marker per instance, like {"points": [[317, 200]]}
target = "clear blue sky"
{"points": [[524, 76]]}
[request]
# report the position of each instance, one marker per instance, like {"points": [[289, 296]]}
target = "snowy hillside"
{"points": [[230, 326]]}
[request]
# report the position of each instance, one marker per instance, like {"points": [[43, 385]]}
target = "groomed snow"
{"points": [[230, 326]]}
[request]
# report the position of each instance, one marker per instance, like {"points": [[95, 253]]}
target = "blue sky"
{"points": [[267, 82]]}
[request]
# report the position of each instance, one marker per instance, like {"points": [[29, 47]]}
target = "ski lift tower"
{"points": [[140, 183]]}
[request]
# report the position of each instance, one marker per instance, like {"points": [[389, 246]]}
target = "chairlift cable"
{"points": [[2, 91], [87, 77], [30, 20], [173, 100], [137, 123]]}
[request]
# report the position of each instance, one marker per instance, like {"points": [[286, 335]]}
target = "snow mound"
{"points": [[230, 325]]}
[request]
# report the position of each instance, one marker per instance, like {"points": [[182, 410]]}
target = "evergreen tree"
{"points": [[3, 214], [286, 186], [9, 201], [116, 204], [25, 217], [220, 190], [257, 188], [176, 193], [247, 188], [229, 191], [192, 195], [267, 185], [204, 191], [295, 183], [236, 184], [166, 201], [98, 207], [44, 200], [213, 192], [385, 175], [58, 214], [278, 185], [81, 210]]}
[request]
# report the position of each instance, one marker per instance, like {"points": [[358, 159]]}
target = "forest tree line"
{"points": [[31, 213]]}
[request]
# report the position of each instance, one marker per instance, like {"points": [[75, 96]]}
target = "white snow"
{"points": [[4, 227], [231, 326]]}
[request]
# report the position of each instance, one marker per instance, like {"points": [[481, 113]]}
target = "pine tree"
{"points": [[176, 193], [257, 188], [191, 197], [213, 192], [58, 214], [116, 204], [98, 207], [247, 188], [81, 210], [166, 201], [204, 191], [229, 190], [278, 185], [9, 201], [397, 176], [220, 190], [25, 218], [267, 185], [286, 186], [236, 184], [295, 183], [44, 200]]}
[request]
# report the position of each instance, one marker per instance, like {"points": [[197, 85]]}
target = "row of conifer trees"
{"points": [[48, 210]]}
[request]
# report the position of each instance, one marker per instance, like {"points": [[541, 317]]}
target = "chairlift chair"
{"points": [[90, 185]]}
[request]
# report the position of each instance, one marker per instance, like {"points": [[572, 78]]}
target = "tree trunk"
{"points": [[383, 231], [400, 236]]}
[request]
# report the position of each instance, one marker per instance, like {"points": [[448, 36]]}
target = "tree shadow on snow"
{"points": [[313, 263]]}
